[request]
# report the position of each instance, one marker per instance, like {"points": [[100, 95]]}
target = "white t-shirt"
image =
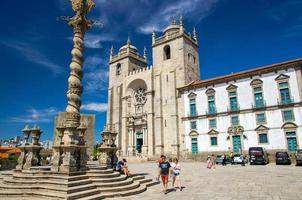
{"points": [[175, 168]]}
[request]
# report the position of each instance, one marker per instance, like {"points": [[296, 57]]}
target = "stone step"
{"points": [[145, 180], [81, 194], [30, 193], [114, 184], [137, 177], [49, 177], [111, 175], [99, 171], [120, 188], [134, 191], [106, 180], [97, 167], [80, 188]]}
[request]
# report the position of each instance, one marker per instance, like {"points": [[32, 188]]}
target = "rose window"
{"points": [[140, 96]]}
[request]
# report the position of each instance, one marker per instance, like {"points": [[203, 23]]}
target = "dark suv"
{"points": [[282, 158], [258, 155]]}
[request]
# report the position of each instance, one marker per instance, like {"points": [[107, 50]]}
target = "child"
{"points": [[176, 174]]}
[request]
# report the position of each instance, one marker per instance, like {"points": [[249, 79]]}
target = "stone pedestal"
{"points": [[107, 156], [108, 149]]}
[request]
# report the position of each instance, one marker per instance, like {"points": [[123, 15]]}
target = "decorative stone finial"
{"points": [[173, 21], [181, 20], [181, 24], [153, 36], [195, 35], [128, 41], [111, 52]]}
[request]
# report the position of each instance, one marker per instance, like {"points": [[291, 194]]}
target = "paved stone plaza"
{"points": [[268, 182]]}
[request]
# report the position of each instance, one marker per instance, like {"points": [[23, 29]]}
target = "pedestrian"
{"points": [[213, 160], [165, 170], [123, 167], [176, 174], [224, 158], [209, 162], [158, 169]]}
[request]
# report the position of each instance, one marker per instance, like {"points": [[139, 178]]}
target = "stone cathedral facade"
{"points": [[143, 102]]}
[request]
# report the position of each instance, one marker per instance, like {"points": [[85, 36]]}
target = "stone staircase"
{"points": [[96, 183]]}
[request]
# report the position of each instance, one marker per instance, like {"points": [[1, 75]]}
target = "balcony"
{"points": [[259, 105], [234, 108], [286, 102], [211, 111]]}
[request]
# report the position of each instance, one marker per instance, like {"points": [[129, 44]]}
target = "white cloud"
{"points": [[32, 54], [194, 10], [36, 116], [96, 74], [97, 107], [94, 40]]}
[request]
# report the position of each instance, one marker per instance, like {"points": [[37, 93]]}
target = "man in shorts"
{"points": [[164, 168]]}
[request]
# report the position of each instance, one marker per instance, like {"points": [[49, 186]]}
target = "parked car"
{"points": [[239, 159], [282, 158], [298, 157], [258, 155], [219, 159]]}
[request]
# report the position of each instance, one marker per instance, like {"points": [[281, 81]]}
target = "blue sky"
{"points": [[234, 35]]}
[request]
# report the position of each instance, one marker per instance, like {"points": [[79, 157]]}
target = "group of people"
{"points": [[211, 162], [167, 169]]}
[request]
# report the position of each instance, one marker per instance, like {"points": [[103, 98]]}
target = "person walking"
{"points": [[209, 162], [158, 169], [224, 158], [165, 170], [176, 174]]}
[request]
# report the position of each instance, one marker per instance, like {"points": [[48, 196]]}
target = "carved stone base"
{"points": [[107, 156], [69, 158], [29, 157]]}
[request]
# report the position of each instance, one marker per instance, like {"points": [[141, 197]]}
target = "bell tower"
{"points": [[176, 64]]}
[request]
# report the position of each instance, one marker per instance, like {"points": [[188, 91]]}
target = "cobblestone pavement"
{"points": [[259, 182]]}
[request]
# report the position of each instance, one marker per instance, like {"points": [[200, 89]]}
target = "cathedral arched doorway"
{"points": [[139, 141]]}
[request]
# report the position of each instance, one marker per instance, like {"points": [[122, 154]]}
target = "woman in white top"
{"points": [[176, 174]]}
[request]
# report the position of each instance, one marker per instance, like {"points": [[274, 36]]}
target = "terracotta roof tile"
{"points": [[248, 72]]}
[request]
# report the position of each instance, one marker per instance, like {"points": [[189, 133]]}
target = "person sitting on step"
{"points": [[123, 167]]}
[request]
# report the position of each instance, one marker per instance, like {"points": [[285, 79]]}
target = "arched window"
{"points": [[167, 52], [118, 69]]}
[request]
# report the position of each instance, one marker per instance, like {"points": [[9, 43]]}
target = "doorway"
{"points": [[236, 143], [139, 142]]}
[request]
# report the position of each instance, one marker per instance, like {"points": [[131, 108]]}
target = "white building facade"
{"points": [[258, 107]]}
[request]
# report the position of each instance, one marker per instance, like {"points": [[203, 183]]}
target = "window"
{"points": [[212, 123], [194, 145], [193, 125], [233, 101], [167, 52], [192, 107], [235, 120], [284, 93], [263, 138], [213, 141], [258, 97], [288, 115], [211, 104], [260, 118], [118, 69]]}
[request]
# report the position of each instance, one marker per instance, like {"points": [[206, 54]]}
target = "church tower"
{"points": [[127, 60], [176, 64], [143, 104]]}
